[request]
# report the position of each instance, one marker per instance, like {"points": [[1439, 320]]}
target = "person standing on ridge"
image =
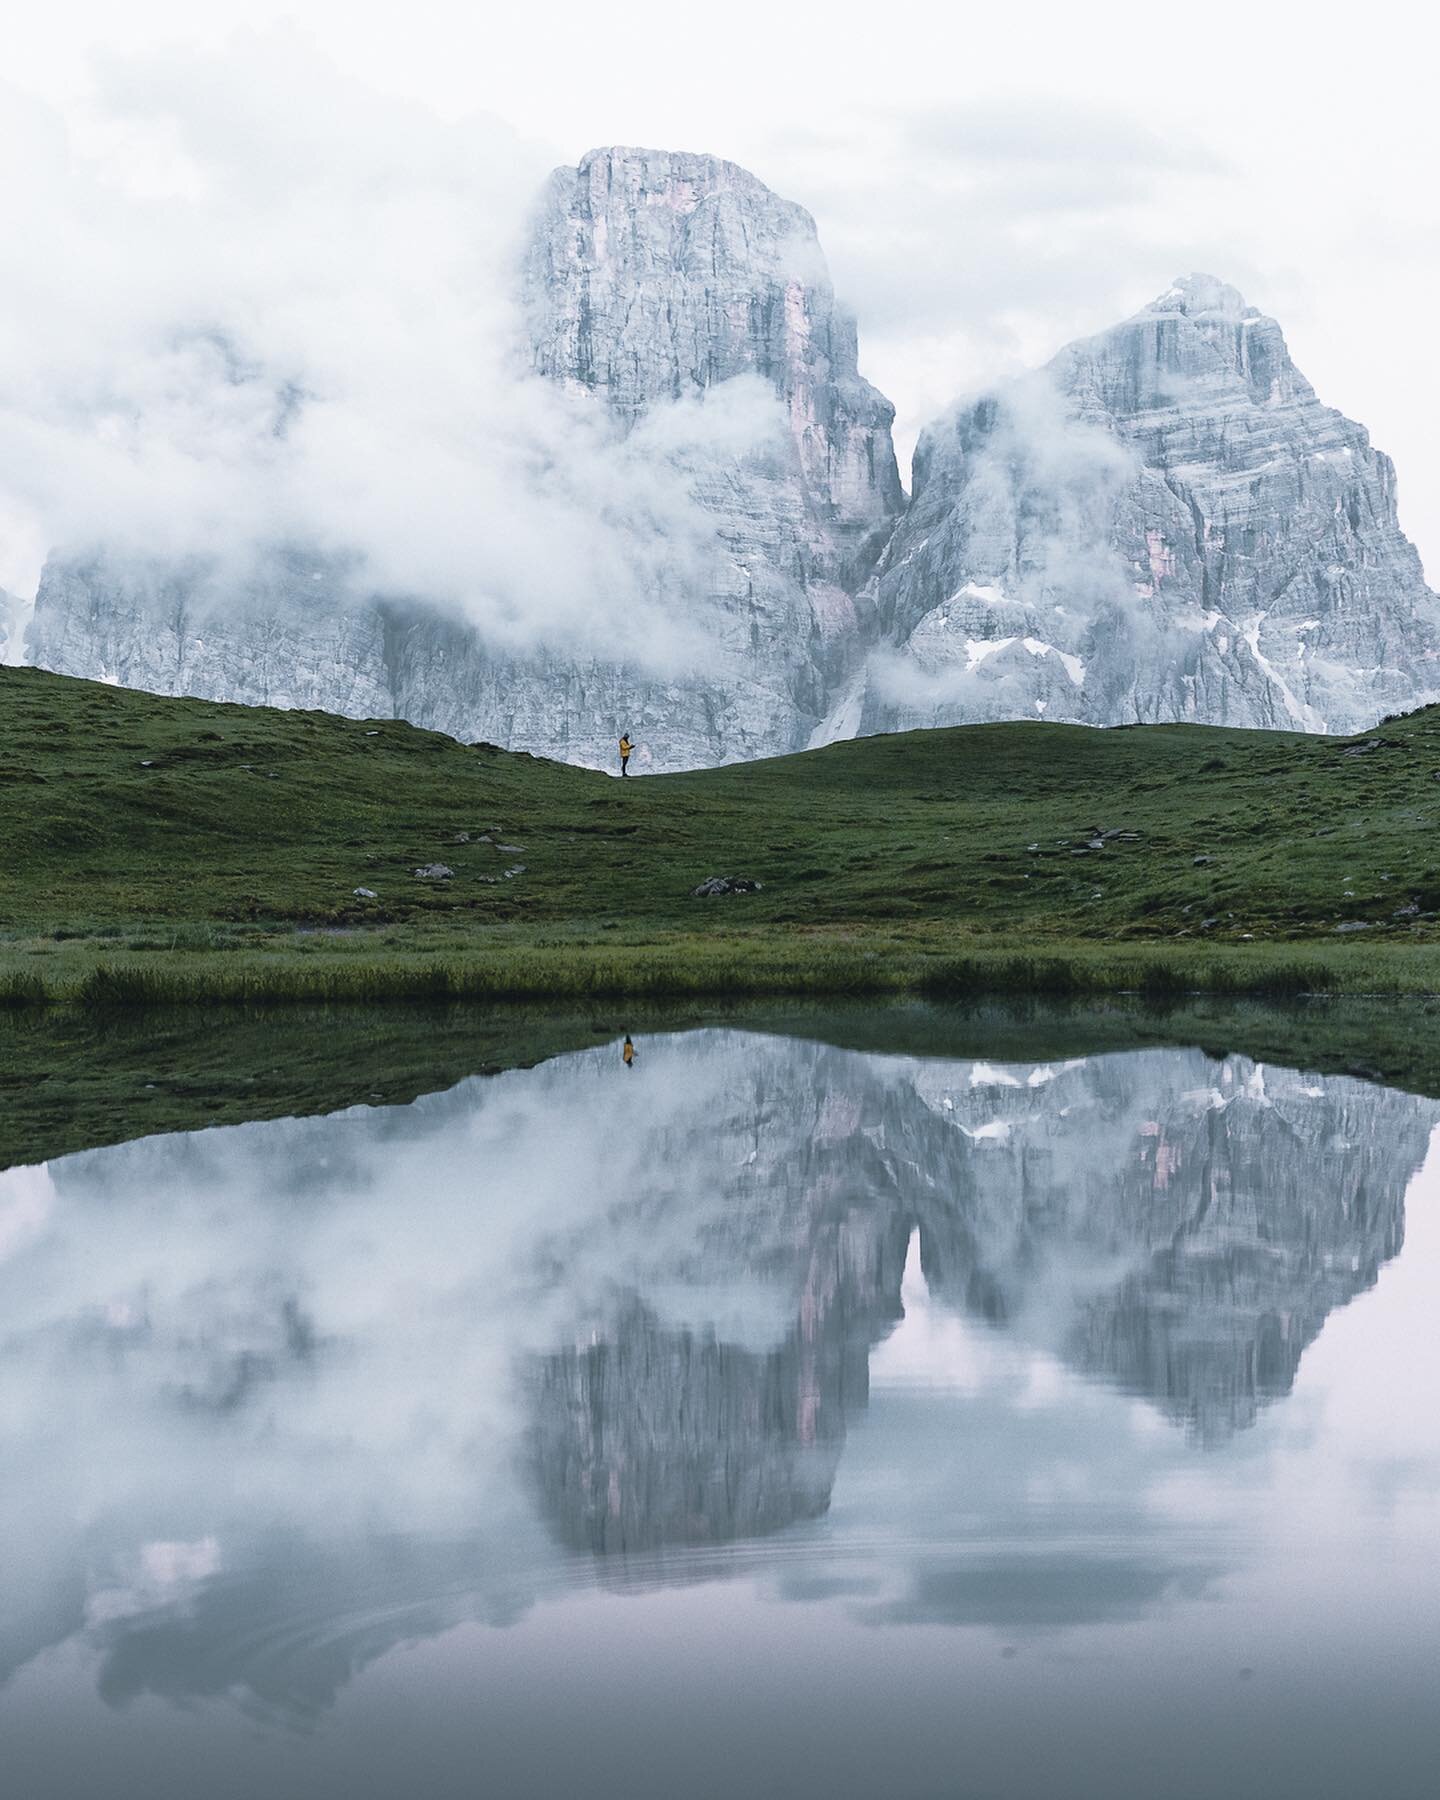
{"points": [[625, 748]]}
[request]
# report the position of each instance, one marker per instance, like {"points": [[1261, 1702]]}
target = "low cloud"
{"points": [[288, 314], [974, 240], [1034, 490]]}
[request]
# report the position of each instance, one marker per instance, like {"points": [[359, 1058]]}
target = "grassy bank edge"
{"points": [[683, 967]]}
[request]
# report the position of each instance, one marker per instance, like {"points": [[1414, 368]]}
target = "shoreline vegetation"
{"points": [[173, 851], [733, 966]]}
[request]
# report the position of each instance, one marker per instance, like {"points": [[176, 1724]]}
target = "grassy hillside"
{"points": [[223, 834]]}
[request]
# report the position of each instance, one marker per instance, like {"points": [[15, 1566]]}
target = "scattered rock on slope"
{"points": [[725, 884]]}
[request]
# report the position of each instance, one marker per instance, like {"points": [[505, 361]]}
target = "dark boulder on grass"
{"points": [[724, 884]]}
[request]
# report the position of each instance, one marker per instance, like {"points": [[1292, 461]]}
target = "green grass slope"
{"points": [[133, 824]]}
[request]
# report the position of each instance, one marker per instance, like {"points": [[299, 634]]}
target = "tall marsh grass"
{"points": [[778, 965], [539, 975], [1155, 978], [22, 989]]}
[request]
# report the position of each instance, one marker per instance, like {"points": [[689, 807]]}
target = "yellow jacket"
{"points": [[626, 746]]}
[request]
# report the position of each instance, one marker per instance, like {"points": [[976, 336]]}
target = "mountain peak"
{"points": [[1202, 296], [658, 168]]}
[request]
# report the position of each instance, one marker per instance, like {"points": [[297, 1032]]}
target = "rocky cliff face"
{"points": [[653, 278], [290, 637], [650, 278], [1163, 524]]}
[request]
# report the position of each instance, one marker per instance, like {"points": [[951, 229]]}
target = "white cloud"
{"points": [[294, 318], [988, 186]]}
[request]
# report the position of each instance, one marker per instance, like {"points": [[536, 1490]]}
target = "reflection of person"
{"points": [[628, 1053], [625, 748]]}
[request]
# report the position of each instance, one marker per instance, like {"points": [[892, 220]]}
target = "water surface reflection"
{"points": [[906, 1344]]}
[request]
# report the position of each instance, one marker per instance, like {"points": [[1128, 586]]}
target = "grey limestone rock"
{"points": [[1165, 523], [290, 637], [724, 884], [650, 278]]}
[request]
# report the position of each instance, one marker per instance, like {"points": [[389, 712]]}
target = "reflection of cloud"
{"points": [[931, 1347], [1030, 1504], [162, 1575], [283, 1637], [26, 1196], [1043, 1591], [398, 1323]]}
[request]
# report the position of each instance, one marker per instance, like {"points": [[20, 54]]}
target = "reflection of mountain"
{"points": [[1178, 1225], [1189, 1223], [657, 1435], [690, 1277], [661, 1432]]}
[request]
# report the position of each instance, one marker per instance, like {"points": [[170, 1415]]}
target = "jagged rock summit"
{"points": [[651, 275], [650, 278], [655, 276], [1165, 523]]}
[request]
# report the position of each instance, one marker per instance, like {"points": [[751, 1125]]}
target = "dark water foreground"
{"points": [[908, 1404]]}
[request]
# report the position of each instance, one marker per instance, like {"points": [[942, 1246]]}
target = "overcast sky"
{"points": [[989, 182]]}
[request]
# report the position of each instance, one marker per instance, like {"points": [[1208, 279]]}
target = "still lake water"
{"points": [[764, 1419]]}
